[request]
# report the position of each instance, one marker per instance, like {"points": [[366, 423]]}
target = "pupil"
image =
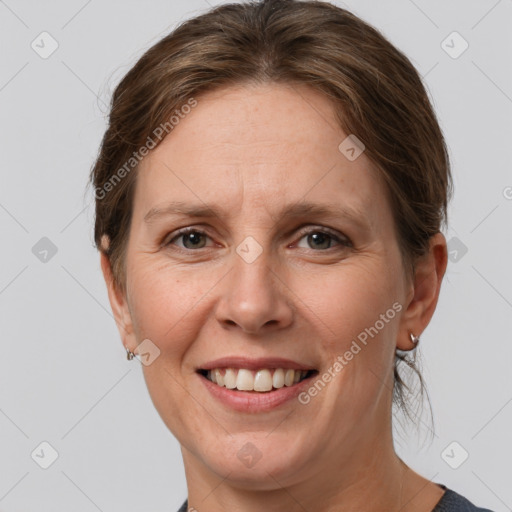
{"points": [[318, 238], [193, 237]]}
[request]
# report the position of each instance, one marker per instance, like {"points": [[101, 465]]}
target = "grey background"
{"points": [[64, 378]]}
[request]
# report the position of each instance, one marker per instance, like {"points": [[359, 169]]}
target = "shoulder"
{"points": [[450, 502], [454, 502]]}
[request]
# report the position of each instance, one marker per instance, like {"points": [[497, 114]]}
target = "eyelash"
{"points": [[345, 242]]}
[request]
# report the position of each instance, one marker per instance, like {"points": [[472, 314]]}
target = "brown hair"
{"points": [[376, 92]]}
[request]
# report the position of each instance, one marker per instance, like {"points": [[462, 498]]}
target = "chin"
{"points": [[256, 464]]}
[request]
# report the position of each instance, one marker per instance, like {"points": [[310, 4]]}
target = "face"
{"points": [[294, 256]]}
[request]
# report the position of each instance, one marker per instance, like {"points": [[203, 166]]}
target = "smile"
{"points": [[243, 395], [261, 381]]}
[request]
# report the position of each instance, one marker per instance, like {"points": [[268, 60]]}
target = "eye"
{"points": [[322, 239], [192, 238]]}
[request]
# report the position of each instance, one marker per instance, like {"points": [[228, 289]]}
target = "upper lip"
{"points": [[253, 364]]}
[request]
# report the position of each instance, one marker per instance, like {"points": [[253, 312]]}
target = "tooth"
{"points": [[278, 378], [263, 381], [289, 376], [219, 379], [230, 378], [245, 380]]}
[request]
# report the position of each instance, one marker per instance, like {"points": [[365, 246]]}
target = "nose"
{"points": [[254, 297]]}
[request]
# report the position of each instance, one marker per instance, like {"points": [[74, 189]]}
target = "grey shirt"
{"points": [[450, 502]]}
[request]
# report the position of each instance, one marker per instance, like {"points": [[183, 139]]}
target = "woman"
{"points": [[269, 198]]}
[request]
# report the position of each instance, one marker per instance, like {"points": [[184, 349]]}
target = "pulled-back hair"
{"points": [[376, 93]]}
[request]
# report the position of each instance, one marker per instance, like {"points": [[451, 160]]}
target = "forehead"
{"points": [[264, 145]]}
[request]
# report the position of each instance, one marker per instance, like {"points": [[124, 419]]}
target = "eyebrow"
{"points": [[302, 209]]}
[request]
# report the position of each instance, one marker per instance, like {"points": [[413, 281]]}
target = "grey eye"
{"points": [[192, 239]]}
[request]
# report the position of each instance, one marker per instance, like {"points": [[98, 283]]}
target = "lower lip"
{"points": [[255, 401]]}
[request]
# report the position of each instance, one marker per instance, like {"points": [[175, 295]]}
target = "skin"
{"points": [[252, 151]]}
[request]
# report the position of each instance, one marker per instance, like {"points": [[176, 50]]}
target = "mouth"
{"points": [[263, 380]]}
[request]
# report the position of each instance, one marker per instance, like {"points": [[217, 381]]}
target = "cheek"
{"points": [[356, 303], [164, 302], [167, 307]]}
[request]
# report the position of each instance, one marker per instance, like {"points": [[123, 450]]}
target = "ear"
{"points": [[423, 292], [118, 304]]}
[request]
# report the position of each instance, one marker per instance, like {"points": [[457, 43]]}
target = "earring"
{"points": [[129, 354], [414, 339]]}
